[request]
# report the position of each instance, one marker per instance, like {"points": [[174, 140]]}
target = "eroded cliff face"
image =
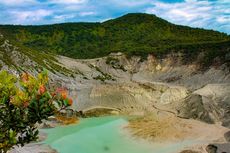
{"points": [[154, 85]]}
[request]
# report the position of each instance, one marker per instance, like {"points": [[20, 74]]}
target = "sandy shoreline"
{"points": [[170, 129]]}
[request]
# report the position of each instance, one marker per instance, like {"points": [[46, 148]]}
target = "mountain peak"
{"points": [[136, 18], [138, 14]]}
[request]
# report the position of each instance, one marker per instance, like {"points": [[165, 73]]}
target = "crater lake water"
{"points": [[103, 135]]}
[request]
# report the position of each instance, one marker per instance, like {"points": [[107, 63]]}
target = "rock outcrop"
{"points": [[142, 86]]}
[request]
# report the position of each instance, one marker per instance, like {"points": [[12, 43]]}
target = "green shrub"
{"points": [[25, 102]]}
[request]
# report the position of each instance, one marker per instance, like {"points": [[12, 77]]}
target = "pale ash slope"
{"points": [[155, 83]]}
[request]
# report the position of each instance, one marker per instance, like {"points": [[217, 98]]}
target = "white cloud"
{"points": [[87, 13], [130, 3], [17, 2], [67, 1], [194, 13], [61, 18], [30, 17], [223, 19]]}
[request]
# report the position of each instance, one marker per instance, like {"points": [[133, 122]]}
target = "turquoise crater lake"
{"points": [[102, 135]]}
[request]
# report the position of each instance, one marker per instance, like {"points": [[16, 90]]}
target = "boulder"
{"points": [[227, 136], [193, 107], [211, 148]]}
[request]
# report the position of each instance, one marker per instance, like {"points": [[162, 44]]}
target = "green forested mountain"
{"points": [[132, 34]]}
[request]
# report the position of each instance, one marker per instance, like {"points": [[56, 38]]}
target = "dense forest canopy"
{"points": [[132, 34]]}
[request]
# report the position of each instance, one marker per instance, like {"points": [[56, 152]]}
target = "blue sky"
{"points": [[209, 14]]}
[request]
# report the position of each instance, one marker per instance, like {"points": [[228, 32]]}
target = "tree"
{"points": [[25, 102]]}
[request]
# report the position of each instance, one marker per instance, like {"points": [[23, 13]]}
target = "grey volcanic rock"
{"points": [[227, 136], [193, 107], [218, 148], [211, 149], [226, 122], [216, 100], [223, 148]]}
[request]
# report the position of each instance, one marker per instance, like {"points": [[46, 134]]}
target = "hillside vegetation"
{"points": [[16, 56], [132, 34]]}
